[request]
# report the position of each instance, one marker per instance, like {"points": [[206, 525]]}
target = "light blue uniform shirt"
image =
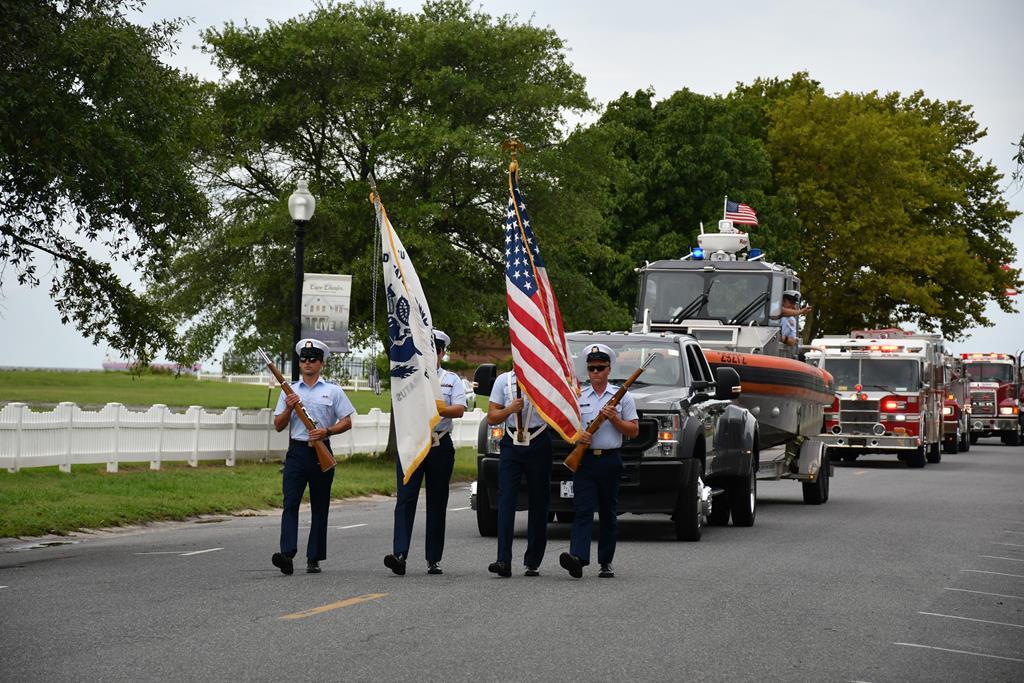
{"points": [[789, 326], [606, 436], [325, 403], [501, 395], [454, 393]]}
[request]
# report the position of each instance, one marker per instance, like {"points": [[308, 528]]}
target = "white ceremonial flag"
{"points": [[415, 389]]}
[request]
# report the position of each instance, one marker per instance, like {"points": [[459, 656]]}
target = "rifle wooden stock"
{"points": [[323, 455], [573, 461]]}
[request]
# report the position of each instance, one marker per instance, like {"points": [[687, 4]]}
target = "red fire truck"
{"points": [[890, 392], [995, 395], [956, 411]]}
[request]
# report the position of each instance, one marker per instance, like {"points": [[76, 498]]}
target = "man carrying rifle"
{"points": [[596, 482], [331, 411]]}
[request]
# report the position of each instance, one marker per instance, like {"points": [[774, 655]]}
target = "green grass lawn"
{"points": [[44, 500]]}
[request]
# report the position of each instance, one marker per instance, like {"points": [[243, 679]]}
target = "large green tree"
{"points": [[898, 221], [96, 137], [420, 102]]}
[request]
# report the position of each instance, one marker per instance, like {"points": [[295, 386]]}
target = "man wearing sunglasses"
{"points": [[529, 456], [595, 483], [331, 411]]}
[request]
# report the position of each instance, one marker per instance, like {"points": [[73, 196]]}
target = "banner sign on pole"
{"points": [[325, 307]]}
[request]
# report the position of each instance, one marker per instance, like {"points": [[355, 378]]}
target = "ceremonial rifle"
{"points": [[573, 461], [323, 455]]}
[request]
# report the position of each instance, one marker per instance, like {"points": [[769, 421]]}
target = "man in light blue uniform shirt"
{"points": [[530, 457], [595, 483], [437, 467], [331, 412]]}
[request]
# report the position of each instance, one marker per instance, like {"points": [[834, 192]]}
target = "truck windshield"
{"points": [[729, 295], [665, 370], [990, 372], [874, 373]]}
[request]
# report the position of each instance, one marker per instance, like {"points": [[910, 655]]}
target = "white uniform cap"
{"points": [[792, 293], [441, 337], [312, 343], [594, 349]]}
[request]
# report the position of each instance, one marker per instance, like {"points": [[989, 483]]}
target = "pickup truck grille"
{"points": [[983, 403], [858, 417]]}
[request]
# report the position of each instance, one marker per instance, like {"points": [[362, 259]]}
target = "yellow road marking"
{"points": [[861, 472], [335, 605]]}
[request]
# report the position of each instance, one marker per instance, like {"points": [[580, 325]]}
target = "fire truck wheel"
{"points": [[934, 452], [974, 439], [1012, 439], [743, 498], [915, 458], [965, 443]]}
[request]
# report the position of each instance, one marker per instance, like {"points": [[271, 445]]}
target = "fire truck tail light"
{"points": [[893, 404]]}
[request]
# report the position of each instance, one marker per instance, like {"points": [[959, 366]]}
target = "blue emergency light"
{"points": [[697, 253], [754, 253]]}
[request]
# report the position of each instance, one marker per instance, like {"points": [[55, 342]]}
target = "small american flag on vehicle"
{"points": [[540, 353], [740, 213]]}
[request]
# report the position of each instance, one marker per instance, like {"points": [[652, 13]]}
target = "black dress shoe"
{"points": [[434, 568], [313, 568], [395, 563], [500, 568], [571, 564], [531, 571], [283, 562], [606, 572]]}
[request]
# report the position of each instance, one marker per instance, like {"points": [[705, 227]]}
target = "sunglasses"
{"points": [[597, 368], [307, 359]]}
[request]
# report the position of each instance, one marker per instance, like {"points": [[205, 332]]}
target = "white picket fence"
{"points": [[350, 384], [69, 436]]}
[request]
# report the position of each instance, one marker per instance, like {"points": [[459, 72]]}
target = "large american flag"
{"points": [[740, 213], [540, 354]]}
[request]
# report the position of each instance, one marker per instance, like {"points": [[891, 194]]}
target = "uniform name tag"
{"points": [[566, 489]]}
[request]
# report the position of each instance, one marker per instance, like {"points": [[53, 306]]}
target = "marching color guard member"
{"points": [[596, 483], [530, 457], [331, 411], [437, 467]]}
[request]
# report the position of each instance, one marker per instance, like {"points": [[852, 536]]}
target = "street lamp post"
{"points": [[300, 205]]}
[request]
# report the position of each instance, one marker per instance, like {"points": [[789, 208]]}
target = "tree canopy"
{"points": [[95, 149]]}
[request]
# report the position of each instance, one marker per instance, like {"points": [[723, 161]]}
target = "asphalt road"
{"points": [[904, 575]]}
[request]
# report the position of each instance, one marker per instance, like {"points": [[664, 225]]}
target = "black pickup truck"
{"points": [[694, 459]]}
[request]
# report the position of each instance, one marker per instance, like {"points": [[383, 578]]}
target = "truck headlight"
{"points": [[668, 435], [1008, 410], [947, 410]]}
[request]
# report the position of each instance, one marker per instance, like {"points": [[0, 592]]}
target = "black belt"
{"points": [[299, 442]]}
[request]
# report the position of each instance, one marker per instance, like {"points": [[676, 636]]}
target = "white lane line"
{"points": [[1012, 531], [960, 652], [998, 595], [200, 552], [4, 586], [1012, 545], [351, 526], [160, 552], [458, 509], [980, 571], [996, 557], [980, 621]]}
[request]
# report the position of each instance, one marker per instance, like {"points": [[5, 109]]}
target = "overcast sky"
{"points": [[951, 50]]}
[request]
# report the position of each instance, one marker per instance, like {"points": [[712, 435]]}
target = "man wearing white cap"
{"points": [[437, 467], [331, 412], [596, 482]]}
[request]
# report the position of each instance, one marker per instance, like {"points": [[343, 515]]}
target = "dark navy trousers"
{"points": [[533, 461], [437, 467], [301, 468], [595, 486]]}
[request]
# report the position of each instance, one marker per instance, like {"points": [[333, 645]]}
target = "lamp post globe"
{"points": [[301, 205]]}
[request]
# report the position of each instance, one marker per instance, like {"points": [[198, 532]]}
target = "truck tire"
{"points": [[566, 517], [1012, 439], [719, 510], [952, 445], [915, 458], [486, 518], [974, 439], [743, 498], [689, 515], [816, 492], [965, 442], [934, 453]]}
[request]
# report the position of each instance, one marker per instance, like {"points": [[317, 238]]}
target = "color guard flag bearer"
{"points": [[540, 354], [415, 390]]}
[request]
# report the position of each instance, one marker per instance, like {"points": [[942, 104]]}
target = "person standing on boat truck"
{"points": [[790, 301]]}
